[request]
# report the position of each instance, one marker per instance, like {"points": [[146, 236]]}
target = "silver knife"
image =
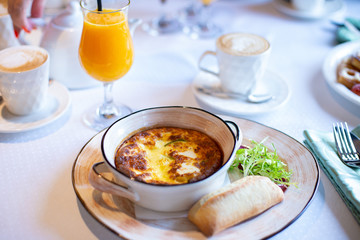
{"points": [[356, 141]]}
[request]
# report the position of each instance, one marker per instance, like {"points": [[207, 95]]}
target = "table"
{"points": [[36, 192]]}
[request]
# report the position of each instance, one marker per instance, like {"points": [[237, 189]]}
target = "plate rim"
{"points": [[282, 7], [314, 190]]}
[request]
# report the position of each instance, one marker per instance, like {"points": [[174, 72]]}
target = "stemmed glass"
{"points": [[203, 27], [106, 54], [163, 24], [189, 14]]}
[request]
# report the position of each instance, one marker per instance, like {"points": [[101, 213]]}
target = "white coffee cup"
{"points": [[24, 78], [242, 59], [308, 5]]}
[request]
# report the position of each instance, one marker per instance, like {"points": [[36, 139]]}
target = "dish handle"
{"points": [[237, 132], [99, 181], [236, 128]]}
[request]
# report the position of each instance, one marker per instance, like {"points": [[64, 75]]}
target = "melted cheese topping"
{"points": [[169, 156]]}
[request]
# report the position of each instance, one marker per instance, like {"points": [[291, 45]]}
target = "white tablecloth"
{"points": [[36, 193]]}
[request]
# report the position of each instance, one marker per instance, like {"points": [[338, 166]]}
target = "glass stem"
{"points": [[191, 10], [163, 14], [204, 15], [108, 108]]}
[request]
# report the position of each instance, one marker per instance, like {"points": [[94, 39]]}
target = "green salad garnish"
{"points": [[259, 160]]}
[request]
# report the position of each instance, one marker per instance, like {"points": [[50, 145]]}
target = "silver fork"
{"points": [[345, 145]]}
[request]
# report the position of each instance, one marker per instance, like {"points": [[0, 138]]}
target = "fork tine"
{"points": [[344, 139], [342, 146], [345, 145], [352, 151], [351, 144], [337, 139], [349, 151]]}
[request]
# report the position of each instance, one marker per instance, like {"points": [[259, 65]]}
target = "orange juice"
{"points": [[207, 2], [106, 48]]}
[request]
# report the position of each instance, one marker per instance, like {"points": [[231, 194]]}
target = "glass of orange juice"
{"points": [[106, 54], [204, 27]]}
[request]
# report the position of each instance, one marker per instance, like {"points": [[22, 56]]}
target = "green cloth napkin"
{"points": [[343, 34], [345, 179]]}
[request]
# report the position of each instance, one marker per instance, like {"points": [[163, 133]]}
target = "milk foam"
{"points": [[21, 59], [243, 44]]}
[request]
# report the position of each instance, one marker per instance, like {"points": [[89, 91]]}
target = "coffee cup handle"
{"points": [[203, 68], [102, 183]]}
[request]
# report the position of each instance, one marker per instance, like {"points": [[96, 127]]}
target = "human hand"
{"points": [[18, 9]]}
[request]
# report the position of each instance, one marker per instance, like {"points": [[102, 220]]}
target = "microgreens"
{"points": [[259, 160]]}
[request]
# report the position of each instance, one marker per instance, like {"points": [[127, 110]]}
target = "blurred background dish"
{"points": [[343, 95], [331, 7]]}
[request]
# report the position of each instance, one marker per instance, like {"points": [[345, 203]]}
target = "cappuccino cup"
{"points": [[24, 78], [242, 59]]}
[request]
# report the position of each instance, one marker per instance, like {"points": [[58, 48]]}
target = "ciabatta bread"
{"points": [[234, 203]]}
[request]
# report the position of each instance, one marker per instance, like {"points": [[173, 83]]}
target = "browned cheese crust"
{"points": [[169, 155]]}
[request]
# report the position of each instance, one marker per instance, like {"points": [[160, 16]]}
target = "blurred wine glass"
{"points": [[165, 23], [203, 26], [190, 13]]}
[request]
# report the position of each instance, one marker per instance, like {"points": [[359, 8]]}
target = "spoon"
{"points": [[252, 98]]}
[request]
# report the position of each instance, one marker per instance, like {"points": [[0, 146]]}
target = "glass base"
{"points": [[97, 119], [162, 25], [207, 30]]}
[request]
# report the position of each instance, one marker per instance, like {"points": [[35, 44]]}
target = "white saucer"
{"points": [[56, 105], [331, 7], [272, 83]]}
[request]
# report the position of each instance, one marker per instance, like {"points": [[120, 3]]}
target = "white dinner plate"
{"points": [[119, 216], [271, 83], [331, 7], [332, 60], [56, 105]]}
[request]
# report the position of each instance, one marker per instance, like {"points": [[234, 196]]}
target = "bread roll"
{"points": [[234, 203]]}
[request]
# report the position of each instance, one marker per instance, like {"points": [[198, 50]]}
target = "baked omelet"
{"points": [[169, 155]]}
